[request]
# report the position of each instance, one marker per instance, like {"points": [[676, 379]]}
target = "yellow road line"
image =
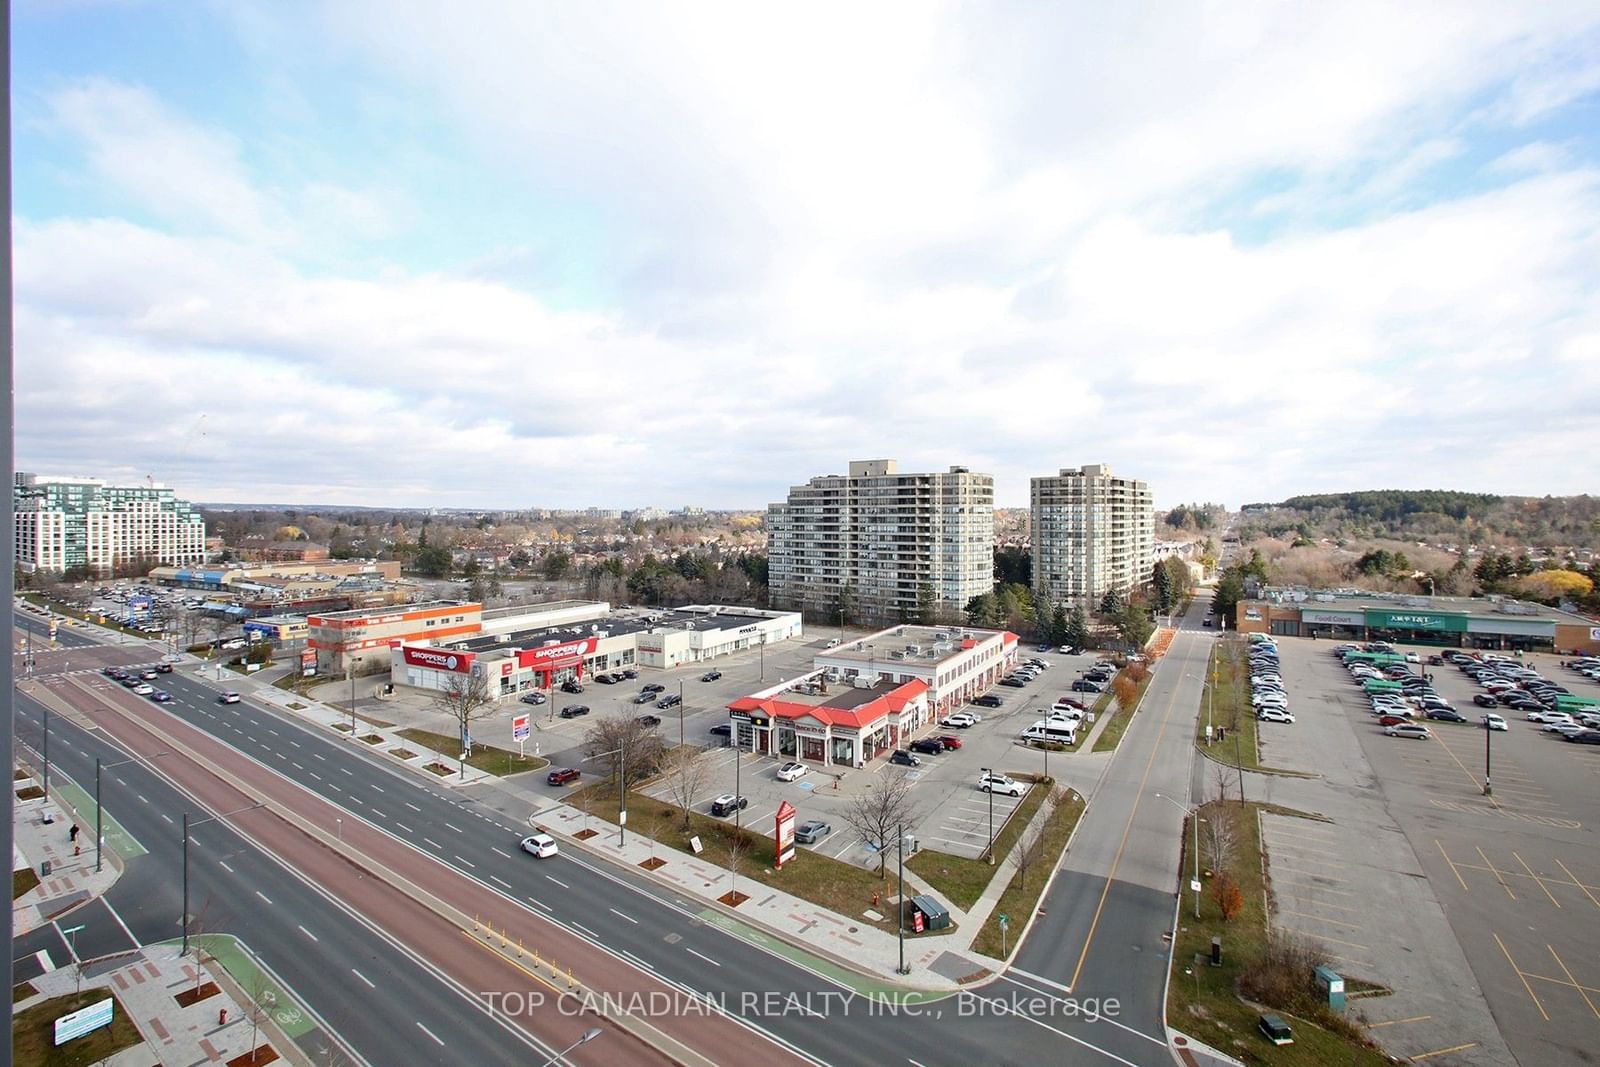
{"points": [[1579, 884], [1524, 978], [1470, 776], [1562, 981], [1442, 1051], [1397, 1022], [1584, 993], [1497, 873], [1452, 864], [1094, 923], [1536, 878]]}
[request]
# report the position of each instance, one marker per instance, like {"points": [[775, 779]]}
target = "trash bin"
{"points": [[1331, 982]]}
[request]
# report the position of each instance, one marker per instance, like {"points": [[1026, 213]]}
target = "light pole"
{"points": [[1195, 815], [988, 787], [1488, 790], [680, 714], [900, 925], [99, 835], [763, 657], [72, 945], [46, 708], [621, 752], [184, 918], [350, 669], [588, 1035]]}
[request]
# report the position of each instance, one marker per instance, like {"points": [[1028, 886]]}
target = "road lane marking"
{"points": [[453, 829], [620, 915], [296, 765], [1397, 1022], [466, 863], [308, 933], [507, 855], [708, 959], [379, 788], [430, 1033], [585, 929], [432, 842], [1442, 1051], [1520, 975], [502, 881], [348, 771], [403, 827], [224, 866], [317, 776], [143, 801], [412, 806], [167, 817], [263, 896], [558, 882], [537, 903], [363, 977]]}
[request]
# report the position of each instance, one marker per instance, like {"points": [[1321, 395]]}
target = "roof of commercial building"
{"points": [[849, 706], [933, 644], [430, 605], [621, 621], [1363, 600]]}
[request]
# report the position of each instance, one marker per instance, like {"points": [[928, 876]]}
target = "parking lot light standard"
{"points": [[989, 788], [1195, 816], [1488, 790]]}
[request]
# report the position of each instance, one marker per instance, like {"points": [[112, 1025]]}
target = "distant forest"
{"points": [[1432, 515]]}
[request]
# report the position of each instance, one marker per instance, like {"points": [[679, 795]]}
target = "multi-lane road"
{"points": [[1101, 934]]}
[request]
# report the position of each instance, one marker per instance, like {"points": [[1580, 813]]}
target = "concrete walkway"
{"points": [[41, 837]]}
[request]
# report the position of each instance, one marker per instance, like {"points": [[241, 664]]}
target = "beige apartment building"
{"points": [[1093, 533], [907, 546]]}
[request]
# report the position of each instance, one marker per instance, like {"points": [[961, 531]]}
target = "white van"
{"points": [[1056, 732]]}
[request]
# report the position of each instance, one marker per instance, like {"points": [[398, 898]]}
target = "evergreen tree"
{"points": [[1075, 629]]}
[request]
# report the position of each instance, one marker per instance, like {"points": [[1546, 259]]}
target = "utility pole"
{"points": [[900, 925], [1488, 790], [989, 788]]}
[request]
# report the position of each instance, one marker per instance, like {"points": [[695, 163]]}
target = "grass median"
{"points": [[1111, 734], [487, 758], [1209, 1003], [1020, 901], [745, 856], [1225, 705], [962, 880]]}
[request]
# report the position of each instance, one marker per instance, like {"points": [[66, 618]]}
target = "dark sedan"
{"points": [[572, 711]]}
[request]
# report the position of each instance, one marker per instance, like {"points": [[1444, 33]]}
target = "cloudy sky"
{"points": [[513, 254]]}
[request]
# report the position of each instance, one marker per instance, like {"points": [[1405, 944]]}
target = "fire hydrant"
{"points": [[222, 1016]]}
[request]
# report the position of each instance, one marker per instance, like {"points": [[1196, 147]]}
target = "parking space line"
{"points": [[1397, 1022], [1524, 978], [1500, 877], [1579, 884], [1318, 886], [1320, 919], [1453, 869], [1582, 991], [1337, 907], [1325, 937], [1354, 963], [1442, 1051], [1536, 878], [1302, 848]]}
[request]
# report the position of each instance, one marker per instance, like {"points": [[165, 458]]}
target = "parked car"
{"points": [[1084, 685], [142, 689], [228, 698], [1013, 681], [1068, 650], [811, 831], [606, 679], [711, 676], [1042, 648], [988, 700], [541, 845], [572, 685], [644, 698], [1408, 729], [572, 711], [648, 720], [1274, 715], [904, 758], [999, 783], [671, 700], [533, 698], [1484, 700], [629, 672], [1493, 722], [163, 668], [962, 720], [931, 746], [1585, 737], [652, 687], [950, 740], [790, 771], [722, 729], [1444, 715], [728, 803], [563, 775]]}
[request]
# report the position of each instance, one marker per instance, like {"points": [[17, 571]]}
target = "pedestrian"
{"points": [[72, 833]]}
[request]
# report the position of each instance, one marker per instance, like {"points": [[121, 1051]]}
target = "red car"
{"points": [[1391, 720], [562, 776], [950, 740]]}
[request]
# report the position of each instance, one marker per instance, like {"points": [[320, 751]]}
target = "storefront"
{"points": [[849, 728], [1448, 622]]}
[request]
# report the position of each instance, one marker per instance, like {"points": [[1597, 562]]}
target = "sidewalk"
{"points": [[146, 984], [40, 827]]}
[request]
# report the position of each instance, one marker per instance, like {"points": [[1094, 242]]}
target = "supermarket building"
{"points": [[1499, 623]]}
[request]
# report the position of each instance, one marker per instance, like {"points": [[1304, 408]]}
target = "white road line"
{"points": [[502, 881], [114, 915], [620, 915], [708, 959], [142, 799], [317, 776], [585, 929], [297, 744], [452, 829], [335, 788], [403, 827], [432, 842], [319, 755], [363, 977], [430, 1033], [118, 779], [296, 765], [467, 863], [263, 896], [412, 806], [559, 882], [167, 817], [379, 788], [308, 933], [507, 855], [346, 770], [224, 866], [273, 732]]}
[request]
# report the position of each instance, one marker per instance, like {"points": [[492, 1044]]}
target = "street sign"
{"points": [[1005, 920], [80, 1022], [1194, 885], [520, 729]]}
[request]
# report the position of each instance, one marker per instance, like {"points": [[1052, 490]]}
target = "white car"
{"points": [[1412, 657], [1274, 715], [1533, 716], [962, 719], [999, 783], [228, 698], [1564, 728], [144, 689], [1494, 722], [541, 845], [790, 771]]}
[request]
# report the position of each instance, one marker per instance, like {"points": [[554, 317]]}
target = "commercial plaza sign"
{"points": [[438, 659], [785, 833], [563, 655], [1416, 620]]}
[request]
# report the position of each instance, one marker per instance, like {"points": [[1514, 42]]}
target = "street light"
{"points": [[1195, 815], [72, 946], [989, 788], [186, 824], [99, 835], [900, 905], [1488, 790], [588, 1035], [622, 788]]}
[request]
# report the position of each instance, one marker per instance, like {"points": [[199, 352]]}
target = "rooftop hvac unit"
{"points": [[915, 650], [897, 655], [864, 681]]}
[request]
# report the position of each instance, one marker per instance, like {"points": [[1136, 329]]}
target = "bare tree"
{"points": [[465, 698], [218, 625], [877, 813], [262, 1001], [688, 778], [616, 739], [735, 845], [1219, 837], [1029, 852]]}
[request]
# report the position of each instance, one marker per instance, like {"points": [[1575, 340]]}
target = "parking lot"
{"points": [[1423, 883]]}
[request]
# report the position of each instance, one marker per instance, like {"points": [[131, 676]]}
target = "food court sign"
{"points": [[1416, 620]]}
